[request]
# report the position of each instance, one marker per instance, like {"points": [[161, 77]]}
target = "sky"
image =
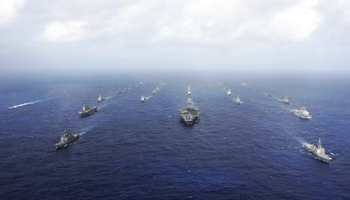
{"points": [[111, 36]]}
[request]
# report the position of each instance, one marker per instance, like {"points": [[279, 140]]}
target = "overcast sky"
{"points": [[172, 35]]}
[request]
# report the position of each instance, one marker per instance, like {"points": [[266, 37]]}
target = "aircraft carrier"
{"points": [[189, 115]]}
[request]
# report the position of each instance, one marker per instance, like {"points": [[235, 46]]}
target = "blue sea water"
{"points": [[134, 150]]}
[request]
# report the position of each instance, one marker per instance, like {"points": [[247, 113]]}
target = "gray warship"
{"points": [[189, 115], [100, 99], [317, 151], [66, 139], [285, 100], [87, 111], [143, 98]]}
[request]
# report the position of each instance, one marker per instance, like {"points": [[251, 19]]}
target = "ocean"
{"points": [[134, 150]]}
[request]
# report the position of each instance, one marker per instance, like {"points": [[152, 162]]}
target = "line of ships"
{"points": [[191, 115]]}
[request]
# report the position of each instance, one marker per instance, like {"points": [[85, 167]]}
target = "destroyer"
{"points": [[285, 100], [318, 151], [100, 99], [302, 113], [238, 100], [189, 115], [189, 100], [66, 139], [229, 92], [143, 98], [87, 111]]}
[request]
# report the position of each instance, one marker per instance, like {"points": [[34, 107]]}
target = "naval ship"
{"points": [[238, 100], [189, 100], [229, 92], [143, 98], [87, 111], [285, 100], [66, 139], [317, 151], [100, 99], [189, 115], [302, 113]]}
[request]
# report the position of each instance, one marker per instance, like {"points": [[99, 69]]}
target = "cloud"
{"points": [[68, 31], [216, 22], [9, 10], [193, 22]]}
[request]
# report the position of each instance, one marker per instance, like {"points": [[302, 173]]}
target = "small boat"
{"points": [[189, 90], [157, 89], [66, 139], [126, 88], [285, 100], [257, 90], [154, 91], [303, 113], [250, 87], [119, 92], [243, 84], [317, 151], [229, 92], [269, 94], [100, 99], [13, 107], [143, 98], [238, 100], [133, 86], [141, 83]]}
